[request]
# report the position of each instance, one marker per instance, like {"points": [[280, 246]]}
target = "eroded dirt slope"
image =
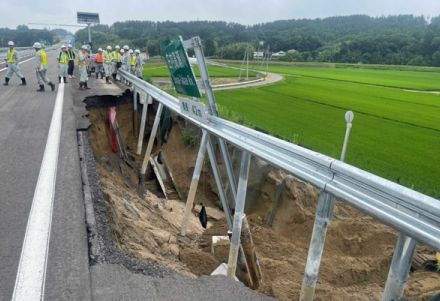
{"points": [[358, 249]]}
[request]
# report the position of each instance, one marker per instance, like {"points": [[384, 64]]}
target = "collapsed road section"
{"points": [[137, 219]]}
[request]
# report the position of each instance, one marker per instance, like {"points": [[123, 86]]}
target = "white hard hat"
{"points": [[109, 47], [10, 43], [130, 51], [84, 47], [137, 51], [126, 47], [63, 46], [122, 50], [37, 45], [117, 47], [70, 45], [99, 49]]}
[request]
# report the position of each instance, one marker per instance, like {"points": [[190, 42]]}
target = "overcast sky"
{"points": [[13, 13]]}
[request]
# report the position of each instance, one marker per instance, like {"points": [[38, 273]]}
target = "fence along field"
{"points": [[396, 133]]}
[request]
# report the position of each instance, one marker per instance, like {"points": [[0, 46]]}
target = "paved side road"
{"points": [[25, 117]]}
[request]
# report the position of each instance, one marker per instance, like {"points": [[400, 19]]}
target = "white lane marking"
{"points": [[31, 275], [3, 69]]}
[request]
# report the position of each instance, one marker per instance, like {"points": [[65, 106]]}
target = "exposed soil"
{"points": [[358, 249]]}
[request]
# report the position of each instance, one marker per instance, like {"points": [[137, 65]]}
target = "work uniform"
{"points": [[13, 67], [82, 65], [41, 69], [99, 65], [139, 66], [132, 63], [116, 58], [71, 65], [63, 60], [126, 62], [108, 65]]}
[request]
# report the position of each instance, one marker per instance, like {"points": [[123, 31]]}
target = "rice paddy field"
{"points": [[396, 130]]}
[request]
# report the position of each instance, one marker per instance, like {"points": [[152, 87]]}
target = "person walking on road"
{"points": [[108, 64], [139, 66], [99, 64], [41, 68], [12, 63], [71, 56], [116, 57], [63, 60], [82, 65]]}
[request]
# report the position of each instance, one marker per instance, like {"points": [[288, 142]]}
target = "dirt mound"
{"points": [[357, 253]]}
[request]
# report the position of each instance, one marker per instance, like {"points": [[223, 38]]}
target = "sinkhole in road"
{"points": [[145, 222]]}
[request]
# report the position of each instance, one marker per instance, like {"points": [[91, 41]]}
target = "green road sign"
{"points": [[181, 72]]}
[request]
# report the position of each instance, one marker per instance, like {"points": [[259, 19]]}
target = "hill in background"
{"points": [[398, 40]]}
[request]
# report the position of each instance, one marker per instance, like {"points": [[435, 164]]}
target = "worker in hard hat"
{"points": [[125, 60], [63, 61], [83, 61], [71, 56], [132, 61], [99, 64], [41, 68], [108, 64], [125, 64], [139, 66], [116, 58], [12, 63]]}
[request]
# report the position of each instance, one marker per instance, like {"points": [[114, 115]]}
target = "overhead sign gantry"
{"points": [[88, 19]]}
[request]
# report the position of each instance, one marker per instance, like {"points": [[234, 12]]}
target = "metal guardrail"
{"points": [[415, 215], [23, 52]]}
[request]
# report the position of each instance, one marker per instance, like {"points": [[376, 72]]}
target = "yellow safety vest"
{"points": [[133, 60], [63, 58], [116, 56], [43, 57], [107, 57], [70, 55], [11, 58]]}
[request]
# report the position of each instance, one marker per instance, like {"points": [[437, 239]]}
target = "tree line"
{"points": [[398, 40], [25, 37]]}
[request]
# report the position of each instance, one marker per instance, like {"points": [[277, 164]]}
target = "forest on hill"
{"points": [[23, 36], [396, 40]]}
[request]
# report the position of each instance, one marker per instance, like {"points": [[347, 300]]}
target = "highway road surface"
{"points": [[25, 119]]}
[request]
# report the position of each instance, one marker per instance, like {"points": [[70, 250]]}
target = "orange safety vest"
{"points": [[99, 58]]}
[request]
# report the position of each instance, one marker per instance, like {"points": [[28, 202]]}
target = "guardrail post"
{"points": [[143, 123], [218, 182], [239, 213], [324, 215], [228, 166], [198, 51], [400, 267], [151, 140], [194, 182], [135, 115]]}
